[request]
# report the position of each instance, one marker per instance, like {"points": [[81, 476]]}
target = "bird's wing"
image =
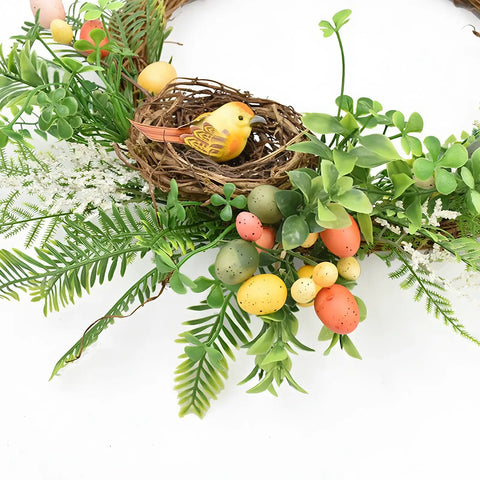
{"points": [[207, 140]]}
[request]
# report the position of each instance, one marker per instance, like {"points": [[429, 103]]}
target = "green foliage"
{"points": [[428, 290], [211, 339], [271, 348], [229, 203]]}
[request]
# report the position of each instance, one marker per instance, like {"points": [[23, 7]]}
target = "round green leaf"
{"points": [[423, 168], [294, 232], [454, 157], [467, 177], [445, 181], [64, 130]]}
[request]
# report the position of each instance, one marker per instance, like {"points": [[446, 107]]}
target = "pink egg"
{"points": [[49, 10], [249, 227]]}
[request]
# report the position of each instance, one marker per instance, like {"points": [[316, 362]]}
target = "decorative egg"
{"points": [[342, 242], [62, 32], [261, 202], [306, 271], [49, 10], [249, 227], [156, 76], [325, 274], [87, 27], [348, 268], [267, 240], [337, 308], [262, 294], [303, 290], [311, 239], [236, 261]]}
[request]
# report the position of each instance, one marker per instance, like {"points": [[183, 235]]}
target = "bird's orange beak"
{"points": [[256, 120]]}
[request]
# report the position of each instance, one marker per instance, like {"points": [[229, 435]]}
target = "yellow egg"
{"points": [[61, 31], [156, 76], [349, 268], [262, 294], [306, 271], [325, 274], [303, 290], [311, 239]]}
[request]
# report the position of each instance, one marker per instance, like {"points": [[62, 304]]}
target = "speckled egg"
{"points": [[348, 268], [261, 202], [262, 294], [342, 242], [49, 10], [236, 261], [337, 308], [303, 290], [325, 274], [249, 227]]}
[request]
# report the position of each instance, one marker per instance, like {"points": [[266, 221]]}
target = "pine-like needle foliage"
{"points": [[429, 290]]}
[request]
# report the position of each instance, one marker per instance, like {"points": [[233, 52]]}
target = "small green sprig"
{"points": [[229, 203]]}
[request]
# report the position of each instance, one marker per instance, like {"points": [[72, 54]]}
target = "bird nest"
{"points": [[265, 159]]}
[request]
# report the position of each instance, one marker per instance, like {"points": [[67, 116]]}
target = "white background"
{"points": [[409, 410]]}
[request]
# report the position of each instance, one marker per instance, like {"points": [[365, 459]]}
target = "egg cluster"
{"points": [[263, 294]]}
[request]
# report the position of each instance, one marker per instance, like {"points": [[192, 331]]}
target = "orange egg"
{"points": [[249, 227], [337, 308], [342, 242], [87, 27], [267, 239]]}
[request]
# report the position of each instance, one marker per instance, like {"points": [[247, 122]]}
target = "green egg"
{"points": [[236, 262], [261, 202]]}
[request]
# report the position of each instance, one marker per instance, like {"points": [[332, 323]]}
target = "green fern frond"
{"points": [[200, 376], [428, 290], [465, 249], [140, 25]]}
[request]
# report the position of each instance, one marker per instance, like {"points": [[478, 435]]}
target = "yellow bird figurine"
{"points": [[221, 134]]}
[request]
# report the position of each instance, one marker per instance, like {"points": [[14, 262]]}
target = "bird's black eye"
{"points": [[240, 117]]}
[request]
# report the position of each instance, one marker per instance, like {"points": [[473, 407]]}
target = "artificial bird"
{"points": [[221, 134]]}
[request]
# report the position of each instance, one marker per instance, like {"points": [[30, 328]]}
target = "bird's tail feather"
{"points": [[161, 134]]}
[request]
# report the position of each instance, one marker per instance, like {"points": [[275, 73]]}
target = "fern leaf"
{"points": [[430, 291], [200, 379]]}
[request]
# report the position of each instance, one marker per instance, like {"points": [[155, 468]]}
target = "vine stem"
{"points": [[342, 87], [210, 245]]}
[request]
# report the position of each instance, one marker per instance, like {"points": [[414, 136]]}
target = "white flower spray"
{"points": [[73, 178]]}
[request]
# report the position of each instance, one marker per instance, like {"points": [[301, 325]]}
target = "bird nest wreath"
{"points": [[290, 204], [265, 159]]}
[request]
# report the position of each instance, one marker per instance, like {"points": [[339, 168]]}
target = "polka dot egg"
{"points": [[249, 227], [262, 294]]}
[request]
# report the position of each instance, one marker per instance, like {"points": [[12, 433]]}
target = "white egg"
{"points": [[49, 10]]}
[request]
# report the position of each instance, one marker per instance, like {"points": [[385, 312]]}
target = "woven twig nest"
{"points": [[265, 159], [473, 5]]}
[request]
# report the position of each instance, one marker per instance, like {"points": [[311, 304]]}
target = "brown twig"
{"points": [[107, 317]]}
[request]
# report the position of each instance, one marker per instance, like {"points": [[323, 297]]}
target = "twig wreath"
{"points": [[146, 169]]}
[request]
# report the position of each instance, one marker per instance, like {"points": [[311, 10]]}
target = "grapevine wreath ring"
{"points": [[265, 159], [316, 175]]}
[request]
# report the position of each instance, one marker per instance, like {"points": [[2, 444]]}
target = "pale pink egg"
{"points": [[49, 10], [249, 227]]}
